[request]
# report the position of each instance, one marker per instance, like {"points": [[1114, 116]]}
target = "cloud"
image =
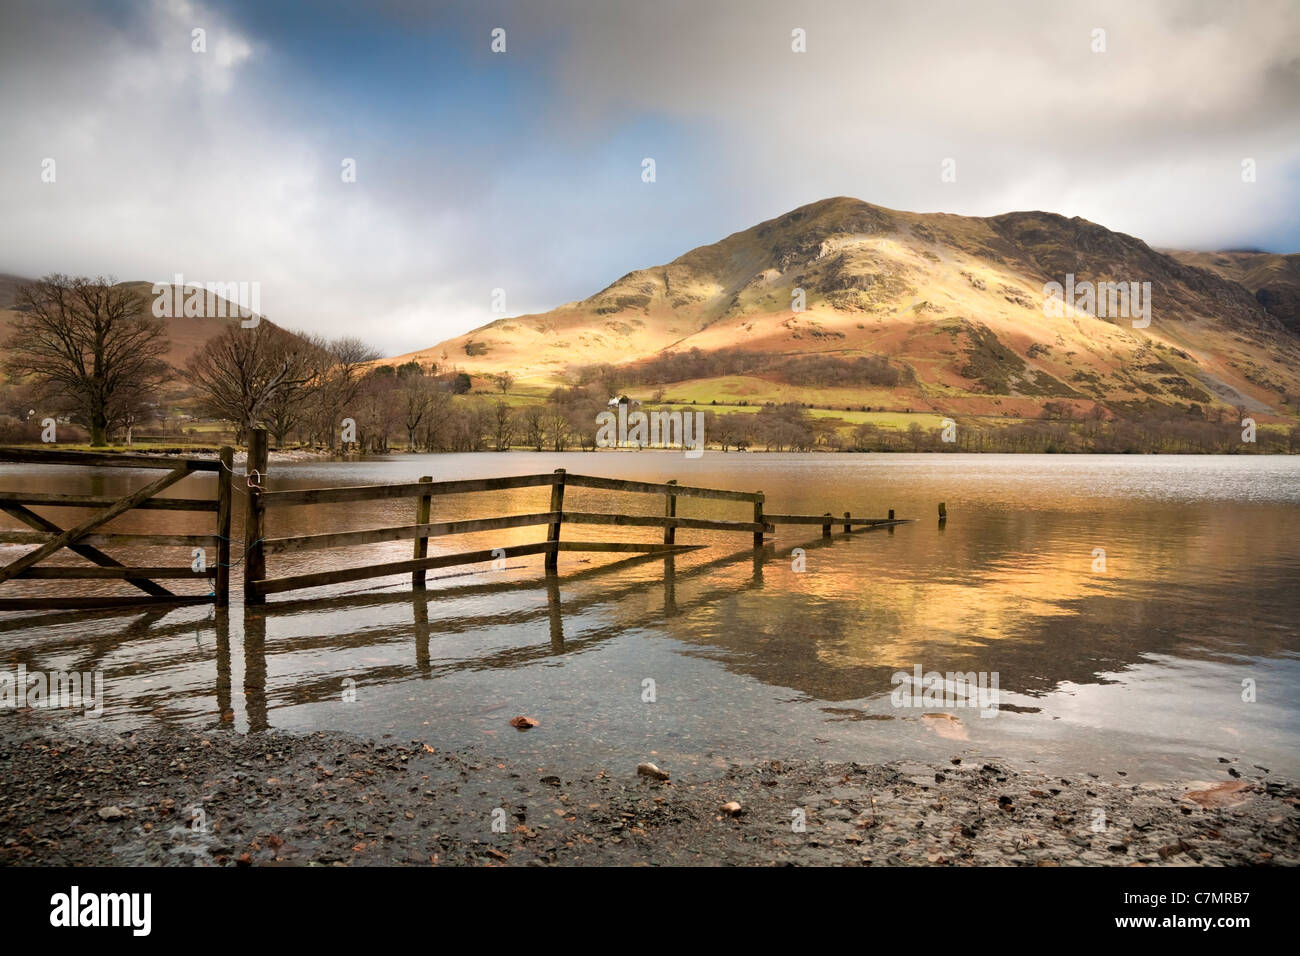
{"points": [[521, 171], [1138, 136], [168, 160]]}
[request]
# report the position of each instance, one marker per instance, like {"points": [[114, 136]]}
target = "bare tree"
{"points": [[377, 408], [415, 397], [89, 345], [503, 427], [133, 407], [338, 387], [504, 381], [290, 407], [436, 424], [558, 427], [470, 424], [533, 424], [242, 372]]}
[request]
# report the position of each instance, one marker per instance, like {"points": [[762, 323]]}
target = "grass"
{"points": [[732, 389], [728, 390], [898, 420]]}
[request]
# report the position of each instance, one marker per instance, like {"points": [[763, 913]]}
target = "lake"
{"points": [[720, 655]]}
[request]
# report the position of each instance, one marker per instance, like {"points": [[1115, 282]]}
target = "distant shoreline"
{"points": [[308, 453]]}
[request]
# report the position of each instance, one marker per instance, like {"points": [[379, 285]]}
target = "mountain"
{"points": [[955, 303], [1273, 278]]}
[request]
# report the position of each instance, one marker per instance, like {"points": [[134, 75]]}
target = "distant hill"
{"points": [[1273, 278], [954, 302]]}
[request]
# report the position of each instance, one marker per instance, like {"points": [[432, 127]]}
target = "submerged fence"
{"points": [[257, 584], [258, 547]]}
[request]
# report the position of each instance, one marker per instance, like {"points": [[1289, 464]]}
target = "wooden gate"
{"points": [[86, 537]]}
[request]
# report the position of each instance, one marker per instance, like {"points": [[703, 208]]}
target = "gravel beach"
{"points": [[176, 797]]}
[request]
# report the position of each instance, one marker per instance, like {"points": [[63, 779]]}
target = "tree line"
{"points": [[90, 350]]}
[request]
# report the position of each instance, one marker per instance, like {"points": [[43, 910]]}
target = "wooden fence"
{"points": [[258, 546], [86, 537]]}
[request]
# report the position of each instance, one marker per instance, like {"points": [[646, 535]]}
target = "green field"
{"points": [[733, 389], [729, 391], [898, 420]]}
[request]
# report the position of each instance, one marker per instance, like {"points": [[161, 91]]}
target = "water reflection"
{"points": [[1139, 667], [420, 599]]}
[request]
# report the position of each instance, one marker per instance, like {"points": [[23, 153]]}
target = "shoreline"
{"points": [[332, 799], [319, 454]]}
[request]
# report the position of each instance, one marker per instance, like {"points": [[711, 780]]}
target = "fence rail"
{"points": [[94, 501], [104, 459], [415, 489]]}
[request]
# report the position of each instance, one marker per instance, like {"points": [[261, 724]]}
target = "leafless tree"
{"points": [[532, 421], [503, 426], [557, 427], [90, 346], [417, 395], [242, 372], [290, 408], [377, 408], [337, 389]]}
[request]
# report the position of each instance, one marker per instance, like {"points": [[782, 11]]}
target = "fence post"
{"points": [[758, 519], [422, 509], [848, 527], [670, 585], [553, 529], [221, 589], [826, 526], [255, 521], [670, 511], [555, 614]]}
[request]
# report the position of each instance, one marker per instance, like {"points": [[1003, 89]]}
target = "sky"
{"points": [[522, 170]]}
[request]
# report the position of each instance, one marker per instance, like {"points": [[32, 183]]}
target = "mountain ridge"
{"points": [[955, 300], [954, 303]]}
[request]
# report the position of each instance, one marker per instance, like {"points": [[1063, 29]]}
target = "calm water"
{"points": [[1138, 668]]}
